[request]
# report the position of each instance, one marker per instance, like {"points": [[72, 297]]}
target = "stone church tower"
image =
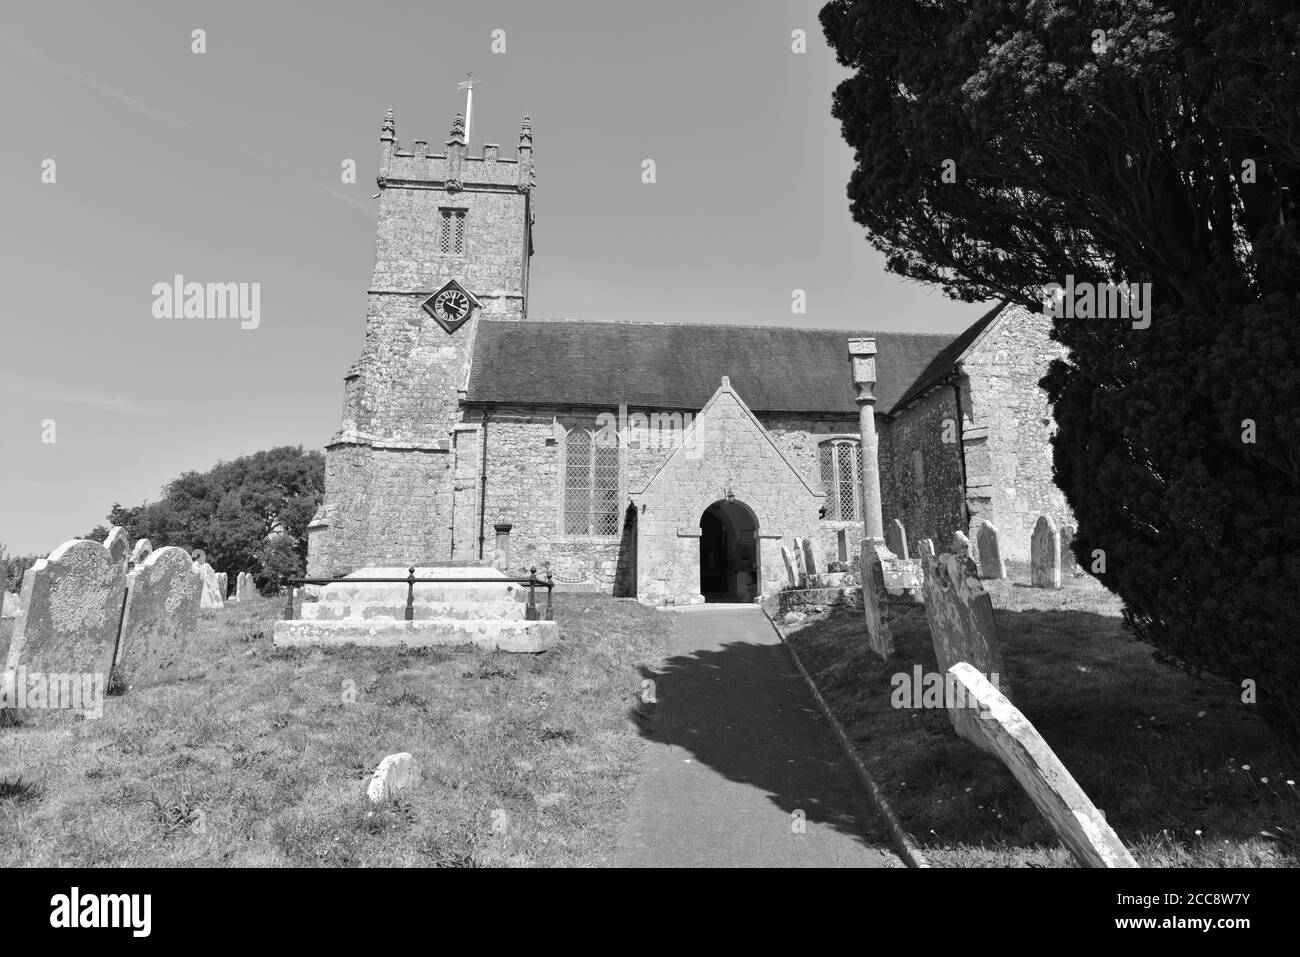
{"points": [[453, 245]]}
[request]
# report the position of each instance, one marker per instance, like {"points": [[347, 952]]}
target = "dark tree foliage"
{"points": [[250, 514], [1164, 150]]}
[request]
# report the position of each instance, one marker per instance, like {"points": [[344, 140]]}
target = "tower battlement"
{"points": [[453, 168]]}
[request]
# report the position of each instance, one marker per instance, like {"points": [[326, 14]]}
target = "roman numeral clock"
{"points": [[451, 306]]}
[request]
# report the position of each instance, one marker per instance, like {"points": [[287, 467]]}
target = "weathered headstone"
{"points": [[809, 555], [223, 585], [842, 544], [961, 545], [395, 774], [790, 568], [960, 615], [244, 589], [897, 539], [800, 564], [1045, 555], [69, 612], [212, 597], [1008, 734], [925, 547], [987, 550], [875, 603], [141, 551], [1068, 565], [162, 612], [117, 544]]}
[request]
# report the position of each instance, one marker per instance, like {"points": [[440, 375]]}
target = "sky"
{"points": [[226, 166]]}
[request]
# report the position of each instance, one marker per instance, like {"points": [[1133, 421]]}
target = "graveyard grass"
{"points": [[257, 759], [1187, 775]]}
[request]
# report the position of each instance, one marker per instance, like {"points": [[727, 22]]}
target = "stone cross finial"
{"points": [[389, 129], [457, 131], [526, 132]]}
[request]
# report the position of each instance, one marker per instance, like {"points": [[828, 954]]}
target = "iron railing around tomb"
{"points": [[410, 581]]}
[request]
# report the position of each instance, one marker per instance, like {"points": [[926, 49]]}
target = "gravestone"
{"points": [[960, 615], [897, 542], [1068, 565], [961, 545], [212, 597], [790, 568], [140, 552], [244, 589], [809, 556], [395, 774], [875, 603], [69, 611], [923, 548], [1045, 555], [162, 613], [842, 544], [988, 553], [1008, 735], [117, 544], [800, 564], [223, 585]]}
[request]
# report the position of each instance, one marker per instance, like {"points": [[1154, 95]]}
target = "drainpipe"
{"points": [[482, 486], [961, 452]]}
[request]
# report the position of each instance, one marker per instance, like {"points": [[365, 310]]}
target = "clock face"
{"points": [[451, 306]]}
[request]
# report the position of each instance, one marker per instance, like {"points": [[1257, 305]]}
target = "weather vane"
{"points": [[467, 85]]}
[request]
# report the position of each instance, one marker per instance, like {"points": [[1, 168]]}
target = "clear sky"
{"points": [[225, 167]]}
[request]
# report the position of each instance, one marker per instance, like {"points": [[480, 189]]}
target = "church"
{"points": [[663, 461]]}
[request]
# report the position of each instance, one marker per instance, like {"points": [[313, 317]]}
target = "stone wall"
{"points": [[1008, 458], [932, 507]]}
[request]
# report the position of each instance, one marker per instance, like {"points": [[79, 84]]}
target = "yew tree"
{"points": [[1003, 145]]}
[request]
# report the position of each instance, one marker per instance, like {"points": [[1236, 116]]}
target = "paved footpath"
{"points": [[737, 745]]}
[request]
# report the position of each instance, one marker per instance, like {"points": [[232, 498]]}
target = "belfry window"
{"points": [[842, 480], [591, 485], [451, 232]]}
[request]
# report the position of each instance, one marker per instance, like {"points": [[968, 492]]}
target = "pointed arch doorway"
{"points": [[729, 558]]}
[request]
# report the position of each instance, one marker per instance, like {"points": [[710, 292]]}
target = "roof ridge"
{"points": [[718, 325]]}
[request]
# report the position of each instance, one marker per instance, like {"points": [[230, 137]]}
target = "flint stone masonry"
{"points": [[988, 550], [396, 773], [140, 552], [162, 614], [69, 611], [1045, 555], [1008, 735], [962, 628], [118, 545]]}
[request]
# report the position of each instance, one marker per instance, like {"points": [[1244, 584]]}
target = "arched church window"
{"points": [[842, 480], [591, 485]]}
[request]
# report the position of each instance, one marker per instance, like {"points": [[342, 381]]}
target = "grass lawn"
{"points": [[259, 758], [1185, 772]]}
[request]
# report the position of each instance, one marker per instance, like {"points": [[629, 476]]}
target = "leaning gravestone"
{"points": [[117, 544], [960, 615], [69, 612], [809, 558], [212, 597], [790, 569], [987, 550], [1009, 736], [162, 613], [800, 564], [961, 545], [875, 603], [897, 539], [141, 551], [1045, 555]]}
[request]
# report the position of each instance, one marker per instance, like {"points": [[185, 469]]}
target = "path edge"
{"points": [[904, 843]]}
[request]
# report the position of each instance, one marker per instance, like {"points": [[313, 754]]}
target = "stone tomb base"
{"points": [[447, 614]]}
